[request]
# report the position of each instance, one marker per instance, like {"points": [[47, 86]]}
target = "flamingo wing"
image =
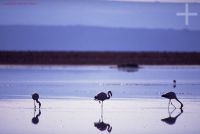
{"points": [[101, 96]]}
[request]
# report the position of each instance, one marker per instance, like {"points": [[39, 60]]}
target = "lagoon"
{"points": [[86, 81], [66, 94]]}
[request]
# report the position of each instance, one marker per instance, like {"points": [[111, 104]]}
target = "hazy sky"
{"points": [[145, 14], [105, 13], [166, 1]]}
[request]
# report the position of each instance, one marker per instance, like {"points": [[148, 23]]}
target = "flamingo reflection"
{"points": [[102, 126], [172, 120], [35, 119]]}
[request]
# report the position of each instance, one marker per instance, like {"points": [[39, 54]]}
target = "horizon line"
{"points": [[98, 26]]}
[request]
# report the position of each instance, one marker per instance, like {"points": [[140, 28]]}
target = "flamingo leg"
{"points": [[169, 103], [34, 112], [169, 112], [173, 105], [34, 106], [102, 110]]}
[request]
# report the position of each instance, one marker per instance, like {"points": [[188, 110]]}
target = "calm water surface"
{"points": [[66, 94], [86, 81]]}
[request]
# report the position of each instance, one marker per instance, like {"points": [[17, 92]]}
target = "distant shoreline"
{"points": [[98, 58]]}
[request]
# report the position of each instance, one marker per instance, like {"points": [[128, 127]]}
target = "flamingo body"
{"points": [[35, 96], [170, 95], [103, 96]]}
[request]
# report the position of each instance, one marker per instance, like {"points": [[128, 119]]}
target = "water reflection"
{"points": [[172, 120], [35, 119], [128, 67], [102, 126]]}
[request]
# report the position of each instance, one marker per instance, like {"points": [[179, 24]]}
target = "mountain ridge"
{"points": [[91, 38]]}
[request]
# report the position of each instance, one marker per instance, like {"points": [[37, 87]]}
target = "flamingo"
{"points": [[103, 96], [172, 95], [35, 97], [174, 83]]}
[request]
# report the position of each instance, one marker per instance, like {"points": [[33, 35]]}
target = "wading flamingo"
{"points": [[35, 97], [170, 96]]}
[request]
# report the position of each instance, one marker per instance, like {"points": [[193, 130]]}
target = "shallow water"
{"points": [[79, 116], [86, 81], [66, 94]]}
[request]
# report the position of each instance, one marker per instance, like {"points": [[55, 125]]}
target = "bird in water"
{"points": [[170, 96], [35, 97], [103, 96], [174, 83]]}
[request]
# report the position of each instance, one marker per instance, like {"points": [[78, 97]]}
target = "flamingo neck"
{"points": [[180, 103], [38, 103], [108, 96]]}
